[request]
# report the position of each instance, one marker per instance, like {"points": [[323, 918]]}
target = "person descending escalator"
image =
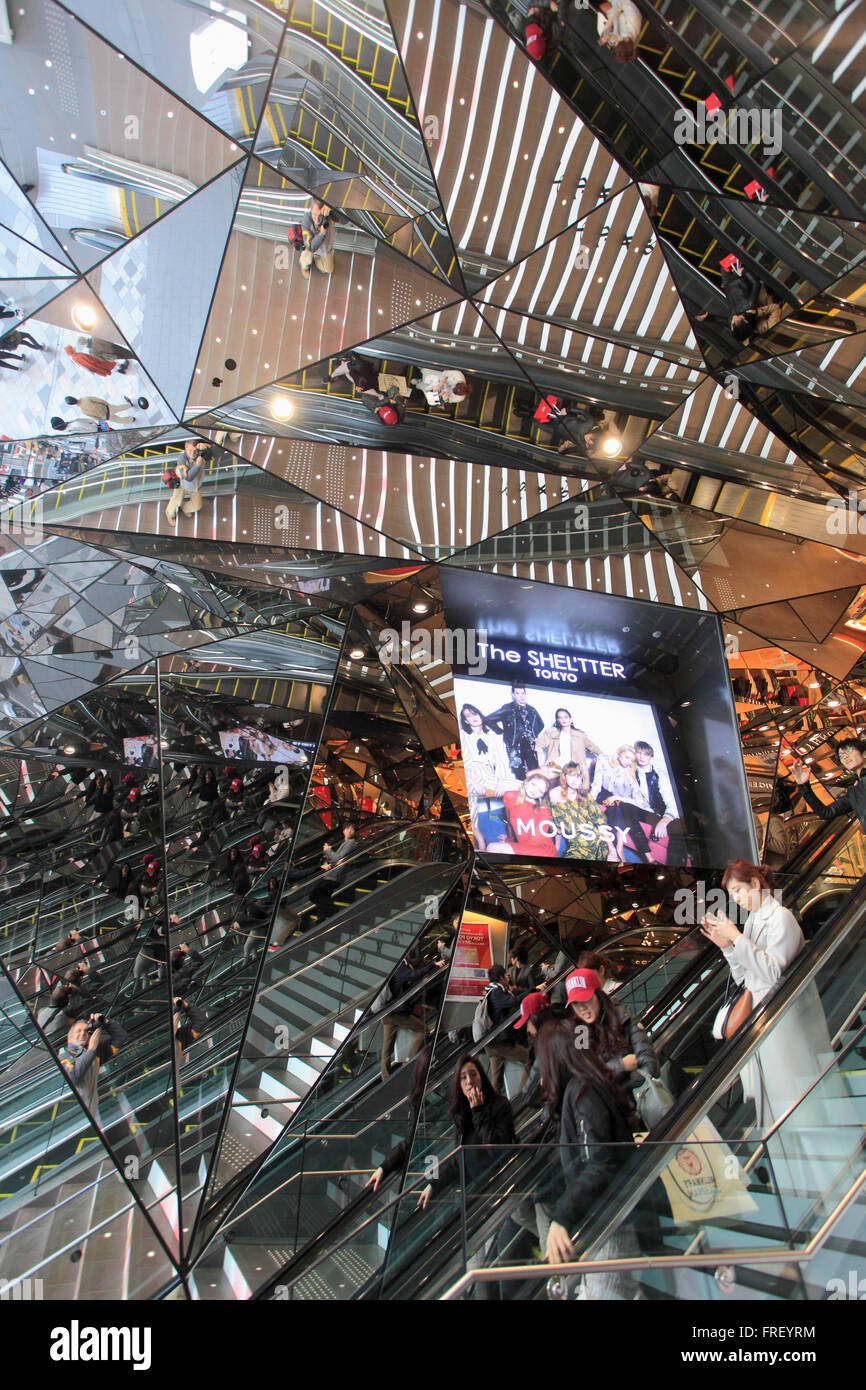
{"points": [[596, 1126]]}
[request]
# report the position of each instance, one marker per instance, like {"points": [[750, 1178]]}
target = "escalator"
{"points": [[785, 1187], [675, 997], [338, 974]]}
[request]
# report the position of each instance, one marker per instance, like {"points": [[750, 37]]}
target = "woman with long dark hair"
{"points": [[596, 1123], [609, 1030], [481, 1118]]}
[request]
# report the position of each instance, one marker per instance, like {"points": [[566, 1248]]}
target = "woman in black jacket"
{"points": [[103, 801], [481, 1118], [596, 1120], [209, 787], [609, 1030]]}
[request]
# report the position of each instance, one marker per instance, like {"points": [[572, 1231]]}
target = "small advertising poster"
{"points": [[474, 954]]}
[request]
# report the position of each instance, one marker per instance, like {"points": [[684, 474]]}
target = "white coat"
{"points": [[798, 1047]]}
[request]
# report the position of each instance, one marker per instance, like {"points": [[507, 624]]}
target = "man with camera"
{"points": [[187, 1022], [89, 1043], [317, 229], [186, 495]]}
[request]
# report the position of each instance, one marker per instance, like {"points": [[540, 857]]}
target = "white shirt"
{"points": [[564, 747], [438, 386], [488, 770], [623, 21]]}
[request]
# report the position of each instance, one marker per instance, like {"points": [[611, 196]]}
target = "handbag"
{"points": [[652, 1100], [733, 1013]]}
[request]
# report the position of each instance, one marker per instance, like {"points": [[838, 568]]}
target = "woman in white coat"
{"points": [[798, 1048]]}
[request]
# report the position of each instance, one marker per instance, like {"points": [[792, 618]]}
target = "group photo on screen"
{"points": [[554, 774]]}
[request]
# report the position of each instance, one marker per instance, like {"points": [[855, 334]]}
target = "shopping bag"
{"points": [[703, 1179]]}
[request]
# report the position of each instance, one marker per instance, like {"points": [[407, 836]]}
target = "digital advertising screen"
{"points": [[249, 744], [595, 728], [141, 752]]}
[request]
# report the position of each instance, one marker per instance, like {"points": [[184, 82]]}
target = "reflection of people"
{"points": [[529, 814], [186, 497], [335, 863], [520, 726], [619, 25], [563, 743], [852, 756], [487, 772], [318, 231], [408, 974], [615, 786], [440, 387], [579, 818], [88, 1043]]}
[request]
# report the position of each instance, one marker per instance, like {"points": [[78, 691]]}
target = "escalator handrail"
{"points": [[721, 1072]]}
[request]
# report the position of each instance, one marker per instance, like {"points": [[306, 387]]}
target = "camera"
{"points": [[324, 223], [97, 1021]]}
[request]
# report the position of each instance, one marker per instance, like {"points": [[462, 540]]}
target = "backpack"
{"points": [[481, 1020], [296, 238]]}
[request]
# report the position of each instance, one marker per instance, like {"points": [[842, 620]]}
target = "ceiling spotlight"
{"points": [[420, 607], [612, 445], [281, 408], [84, 316], [356, 653], [70, 748]]}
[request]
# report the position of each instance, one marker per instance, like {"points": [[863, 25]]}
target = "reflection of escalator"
{"points": [[337, 974]]}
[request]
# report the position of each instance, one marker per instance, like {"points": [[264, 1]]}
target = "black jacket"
{"points": [[403, 979], [504, 721], [491, 1123], [591, 1123], [853, 800], [499, 1005], [638, 1043], [741, 291]]}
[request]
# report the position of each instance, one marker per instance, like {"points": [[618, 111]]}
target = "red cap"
{"points": [[235, 784], [728, 262], [535, 1003], [752, 189], [712, 102], [581, 986], [388, 415], [535, 44]]}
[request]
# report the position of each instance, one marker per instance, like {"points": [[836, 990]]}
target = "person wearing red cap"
{"points": [[609, 1030], [386, 406]]}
